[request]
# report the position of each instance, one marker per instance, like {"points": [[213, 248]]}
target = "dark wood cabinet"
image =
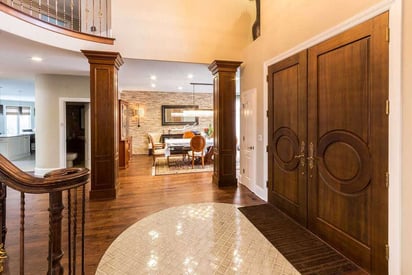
{"points": [[125, 152]]}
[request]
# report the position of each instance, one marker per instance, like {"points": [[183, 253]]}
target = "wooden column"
{"points": [[104, 123], [224, 104]]}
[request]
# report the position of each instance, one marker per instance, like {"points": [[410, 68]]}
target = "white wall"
{"points": [[183, 30], [48, 90]]}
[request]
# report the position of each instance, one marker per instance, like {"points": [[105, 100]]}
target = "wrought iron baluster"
{"points": [[79, 21], [69, 225], [3, 254], [57, 14], [64, 13], [49, 258], [93, 28], [86, 17], [39, 9], [74, 230], [107, 19], [71, 14], [22, 215], [83, 223], [100, 16], [48, 11]]}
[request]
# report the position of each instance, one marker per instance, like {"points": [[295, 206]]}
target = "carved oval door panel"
{"points": [[344, 162], [286, 147]]}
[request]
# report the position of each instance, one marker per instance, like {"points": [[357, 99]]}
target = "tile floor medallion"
{"points": [[206, 238]]}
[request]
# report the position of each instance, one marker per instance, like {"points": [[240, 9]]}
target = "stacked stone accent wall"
{"points": [[151, 103]]}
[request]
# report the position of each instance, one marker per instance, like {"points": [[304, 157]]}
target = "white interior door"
{"points": [[248, 139]]}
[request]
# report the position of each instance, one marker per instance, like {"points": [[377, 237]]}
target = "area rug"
{"points": [[204, 238], [305, 251], [178, 166]]}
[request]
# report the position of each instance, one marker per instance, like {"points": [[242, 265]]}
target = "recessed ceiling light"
{"points": [[36, 58], [190, 76], [153, 77], [180, 87], [153, 85]]}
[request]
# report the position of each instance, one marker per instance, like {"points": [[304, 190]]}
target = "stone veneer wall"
{"points": [[151, 103]]}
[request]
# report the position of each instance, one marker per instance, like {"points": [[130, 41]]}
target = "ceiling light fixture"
{"points": [[153, 85], [153, 77], [180, 88], [190, 76], [36, 59], [195, 112]]}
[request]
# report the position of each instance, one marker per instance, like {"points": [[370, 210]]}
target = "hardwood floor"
{"points": [[140, 194]]}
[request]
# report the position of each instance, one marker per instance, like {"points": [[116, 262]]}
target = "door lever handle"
{"points": [[310, 157]]}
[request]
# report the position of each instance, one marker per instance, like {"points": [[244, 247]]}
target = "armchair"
{"points": [[157, 147]]}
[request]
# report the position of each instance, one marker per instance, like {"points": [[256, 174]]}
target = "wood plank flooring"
{"points": [[140, 194]]}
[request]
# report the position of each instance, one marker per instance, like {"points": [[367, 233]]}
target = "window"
{"points": [[17, 119]]}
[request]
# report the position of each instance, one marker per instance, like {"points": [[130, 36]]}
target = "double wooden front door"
{"points": [[328, 141]]}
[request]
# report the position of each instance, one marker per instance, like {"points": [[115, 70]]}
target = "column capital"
{"points": [[224, 66], [105, 58]]}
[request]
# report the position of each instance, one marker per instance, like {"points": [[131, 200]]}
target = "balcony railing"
{"points": [[90, 17]]}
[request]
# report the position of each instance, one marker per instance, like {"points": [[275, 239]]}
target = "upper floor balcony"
{"points": [[84, 19]]}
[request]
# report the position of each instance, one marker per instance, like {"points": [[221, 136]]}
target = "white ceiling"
{"points": [[17, 70]]}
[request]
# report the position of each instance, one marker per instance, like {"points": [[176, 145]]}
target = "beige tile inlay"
{"points": [[206, 238]]}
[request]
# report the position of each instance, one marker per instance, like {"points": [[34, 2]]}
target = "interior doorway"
{"points": [[248, 139], [75, 132]]}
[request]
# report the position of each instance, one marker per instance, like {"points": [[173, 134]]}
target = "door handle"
{"points": [[251, 147], [310, 157], [301, 155]]}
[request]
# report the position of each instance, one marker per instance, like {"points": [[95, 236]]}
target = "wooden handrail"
{"points": [[58, 180], [45, 25], [53, 183]]}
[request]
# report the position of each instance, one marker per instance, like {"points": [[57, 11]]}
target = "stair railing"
{"points": [[87, 19], [53, 183]]}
